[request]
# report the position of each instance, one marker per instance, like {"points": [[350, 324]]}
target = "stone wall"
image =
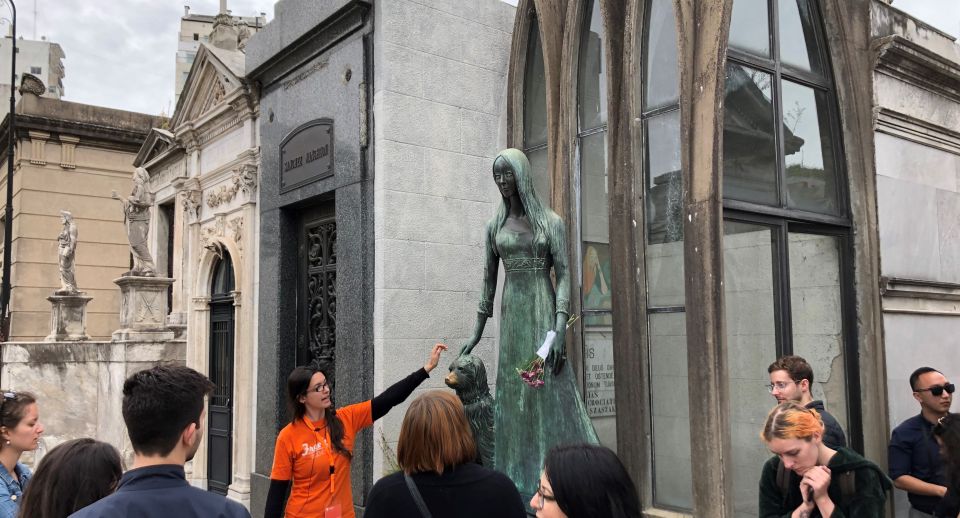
{"points": [[79, 385], [440, 118], [917, 144]]}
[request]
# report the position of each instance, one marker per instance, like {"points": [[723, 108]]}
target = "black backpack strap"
{"points": [[783, 481], [416, 497]]}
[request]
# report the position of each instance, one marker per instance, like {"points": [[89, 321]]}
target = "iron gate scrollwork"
{"points": [[319, 324]]}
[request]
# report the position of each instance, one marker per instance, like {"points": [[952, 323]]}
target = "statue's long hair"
{"points": [[538, 215]]}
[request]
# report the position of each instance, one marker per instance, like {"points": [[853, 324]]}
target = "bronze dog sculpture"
{"points": [[468, 377]]}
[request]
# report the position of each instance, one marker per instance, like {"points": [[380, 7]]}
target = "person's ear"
{"points": [[916, 395], [805, 385], [189, 435]]}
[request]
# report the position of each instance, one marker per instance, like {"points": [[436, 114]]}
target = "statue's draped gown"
{"points": [[529, 421]]}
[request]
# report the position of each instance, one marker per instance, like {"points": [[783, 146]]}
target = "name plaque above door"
{"points": [[306, 154]]}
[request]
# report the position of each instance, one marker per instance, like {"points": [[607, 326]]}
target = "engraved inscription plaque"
{"points": [[306, 154]]}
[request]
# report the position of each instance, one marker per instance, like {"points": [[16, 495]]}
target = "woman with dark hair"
{"points": [[436, 453], [313, 452], [947, 433], [20, 431], [806, 478], [72, 476], [585, 481]]}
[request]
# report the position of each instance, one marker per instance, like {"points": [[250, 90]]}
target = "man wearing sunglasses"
{"points": [[914, 455]]}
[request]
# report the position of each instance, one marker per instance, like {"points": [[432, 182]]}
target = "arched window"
{"points": [[590, 196], [663, 253], [535, 111], [222, 284], [786, 223]]}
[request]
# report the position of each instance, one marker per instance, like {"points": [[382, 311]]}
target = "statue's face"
{"points": [[505, 178]]}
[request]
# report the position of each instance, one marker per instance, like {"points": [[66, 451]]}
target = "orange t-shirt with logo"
{"points": [[305, 455]]}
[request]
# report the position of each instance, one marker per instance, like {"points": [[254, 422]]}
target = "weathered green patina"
{"points": [[530, 239]]}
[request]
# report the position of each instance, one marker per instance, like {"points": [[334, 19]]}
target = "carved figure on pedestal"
{"points": [[66, 252], [136, 214], [536, 410]]}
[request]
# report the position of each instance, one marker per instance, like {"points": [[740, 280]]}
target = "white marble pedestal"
{"points": [[68, 317], [143, 309]]}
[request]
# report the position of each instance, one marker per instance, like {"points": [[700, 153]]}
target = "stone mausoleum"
{"points": [[740, 180], [694, 271]]}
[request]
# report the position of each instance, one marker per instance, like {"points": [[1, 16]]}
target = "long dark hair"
{"points": [[297, 384], [948, 431], [72, 476], [589, 481]]}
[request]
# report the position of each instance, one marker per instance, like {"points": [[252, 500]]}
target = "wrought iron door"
{"points": [[220, 409], [317, 322]]}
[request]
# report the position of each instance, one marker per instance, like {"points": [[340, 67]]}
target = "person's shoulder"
{"points": [[909, 425], [387, 484], [495, 478], [770, 468]]}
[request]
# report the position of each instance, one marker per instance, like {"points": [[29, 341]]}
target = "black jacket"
{"points": [[465, 491], [161, 492], [833, 435]]}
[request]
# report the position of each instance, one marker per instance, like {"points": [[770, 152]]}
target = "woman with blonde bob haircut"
{"points": [[807, 479], [439, 477]]}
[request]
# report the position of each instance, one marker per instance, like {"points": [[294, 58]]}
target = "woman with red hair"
{"points": [[806, 479]]}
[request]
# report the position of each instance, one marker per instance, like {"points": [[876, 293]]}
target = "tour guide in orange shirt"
{"points": [[315, 449]]}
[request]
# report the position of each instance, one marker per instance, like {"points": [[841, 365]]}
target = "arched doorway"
{"points": [[220, 410]]}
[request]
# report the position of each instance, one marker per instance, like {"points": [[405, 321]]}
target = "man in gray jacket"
{"points": [[791, 379]]}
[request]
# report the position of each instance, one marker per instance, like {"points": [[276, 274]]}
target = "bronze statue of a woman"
{"points": [[530, 239]]}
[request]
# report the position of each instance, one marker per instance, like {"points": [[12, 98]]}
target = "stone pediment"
{"points": [[213, 78], [158, 142]]}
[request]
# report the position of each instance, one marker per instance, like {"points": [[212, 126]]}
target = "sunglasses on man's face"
{"points": [[937, 390]]}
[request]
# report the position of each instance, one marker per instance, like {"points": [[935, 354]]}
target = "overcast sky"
{"points": [[122, 53]]}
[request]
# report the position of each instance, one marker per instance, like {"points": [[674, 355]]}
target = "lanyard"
{"points": [[324, 440]]}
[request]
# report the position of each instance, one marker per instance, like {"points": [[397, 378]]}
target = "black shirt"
{"points": [[161, 492], [833, 435], [914, 451], [465, 491]]}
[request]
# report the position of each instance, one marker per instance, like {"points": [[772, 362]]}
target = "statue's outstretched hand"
{"points": [[434, 357]]}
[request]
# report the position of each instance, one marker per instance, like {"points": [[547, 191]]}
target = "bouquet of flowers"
{"points": [[532, 372]]}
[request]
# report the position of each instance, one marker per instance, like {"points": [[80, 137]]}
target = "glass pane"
{"points": [[594, 228], [541, 180], [750, 27], [670, 411], [665, 186], [664, 254], [751, 345], [808, 146], [798, 37], [662, 83], [816, 309], [592, 80], [749, 147], [594, 211], [534, 92], [598, 378]]}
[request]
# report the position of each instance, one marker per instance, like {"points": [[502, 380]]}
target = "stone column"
{"points": [[68, 317], [702, 28]]}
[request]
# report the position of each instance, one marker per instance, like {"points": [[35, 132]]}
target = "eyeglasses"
{"points": [[319, 387], [937, 390], [544, 497], [779, 385]]}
